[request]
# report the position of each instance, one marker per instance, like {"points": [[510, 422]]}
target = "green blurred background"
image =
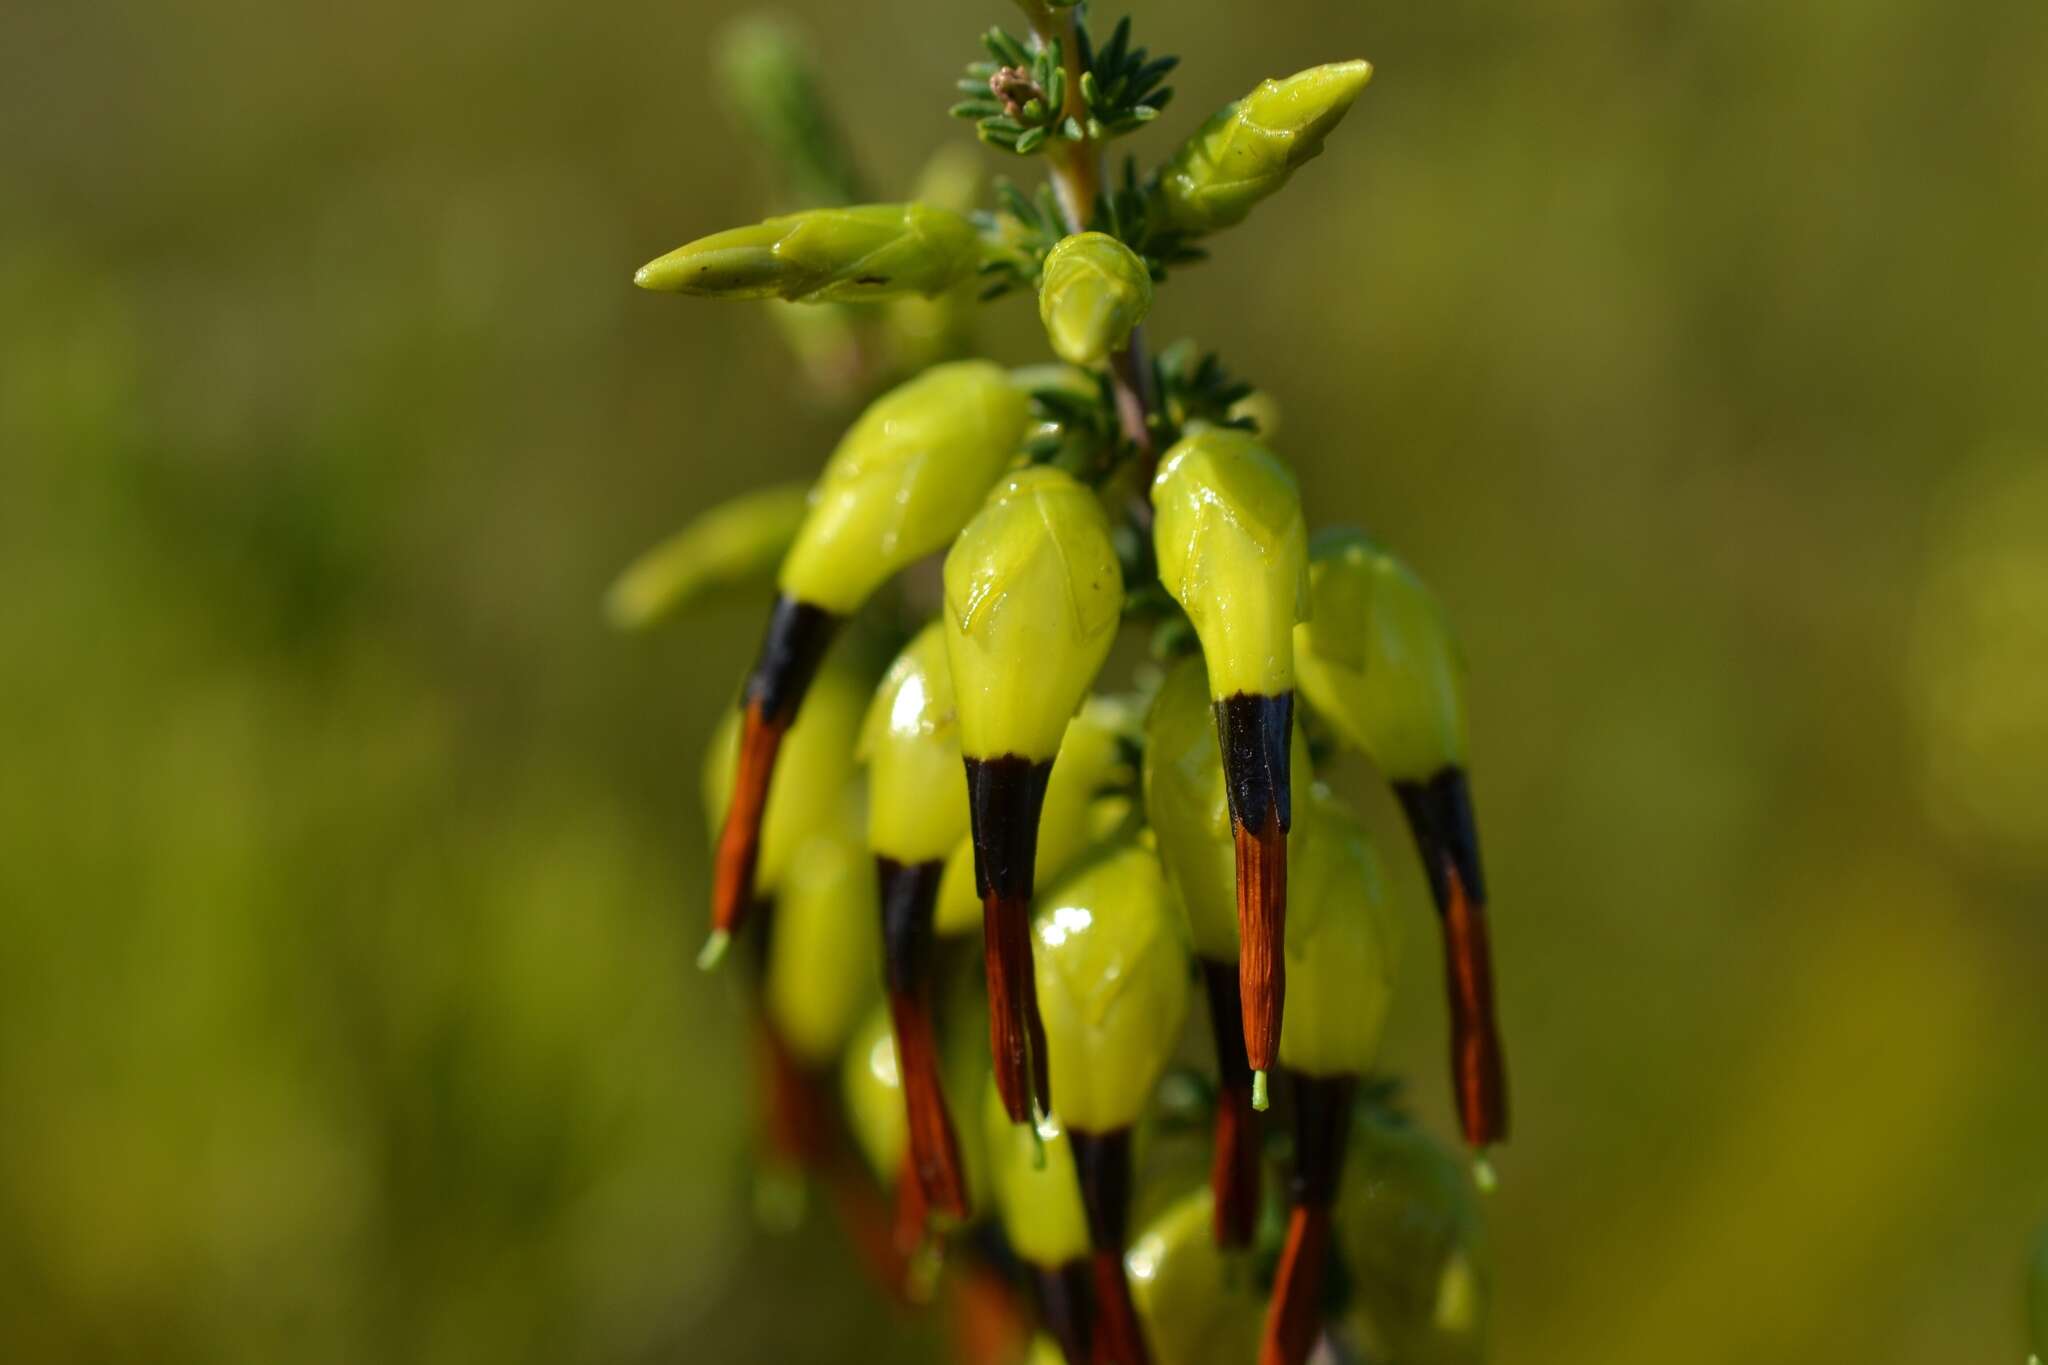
{"points": [[350, 866]]}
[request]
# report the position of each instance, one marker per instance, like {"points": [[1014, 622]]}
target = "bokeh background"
{"points": [[350, 865]]}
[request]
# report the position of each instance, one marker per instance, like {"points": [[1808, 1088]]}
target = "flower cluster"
{"points": [[899, 774]]}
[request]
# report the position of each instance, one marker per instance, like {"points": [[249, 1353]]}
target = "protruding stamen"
{"points": [[1322, 1123], [1102, 1164], [1294, 1316], [1260, 1100], [1005, 796], [909, 897], [1016, 1035], [1255, 733], [1446, 834], [713, 951], [798, 635], [1261, 930], [1234, 1171]]}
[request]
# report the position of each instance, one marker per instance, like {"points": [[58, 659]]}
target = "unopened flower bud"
{"points": [[1412, 1229], [1092, 292], [836, 255], [1037, 1196], [1113, 981], [1342, 945], [1199, 1306], [1246, 151]]}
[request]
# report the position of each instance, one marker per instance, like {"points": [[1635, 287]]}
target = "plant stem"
{"points": [[1076, 174]]}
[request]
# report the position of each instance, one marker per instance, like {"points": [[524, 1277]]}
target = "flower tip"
{"points": [[1483, 1174], [713, 951], [1259, 1097]]}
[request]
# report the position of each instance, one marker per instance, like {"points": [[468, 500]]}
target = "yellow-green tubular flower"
{"points": [[1198, 1307], [900, 484], [816, 761], [837, 255], [903, 481], [1037, 1194], [1112, 977], [1377, 657], [729, 544], [1091, 759], [1246, 151], [1342, 945], [1410, 1224], [1233, 551], [917, 809], [1092, 292], [1033, 598], [823, 967]]}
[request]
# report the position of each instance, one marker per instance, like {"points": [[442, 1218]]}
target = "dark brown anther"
{"points": [[1234, 1170], [1322, 1122], [1255, 732], [1446, 834], [1004, 799], [1066, 1306], [1102, 1165], [794, 646], [909, 897]]}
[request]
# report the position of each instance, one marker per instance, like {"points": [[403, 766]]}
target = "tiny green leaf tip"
{"points": [[713, 951], [1483, 1174], [1259, 1099]]}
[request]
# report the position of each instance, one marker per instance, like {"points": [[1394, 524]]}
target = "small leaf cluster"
{"points": [[1018, 98]]}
